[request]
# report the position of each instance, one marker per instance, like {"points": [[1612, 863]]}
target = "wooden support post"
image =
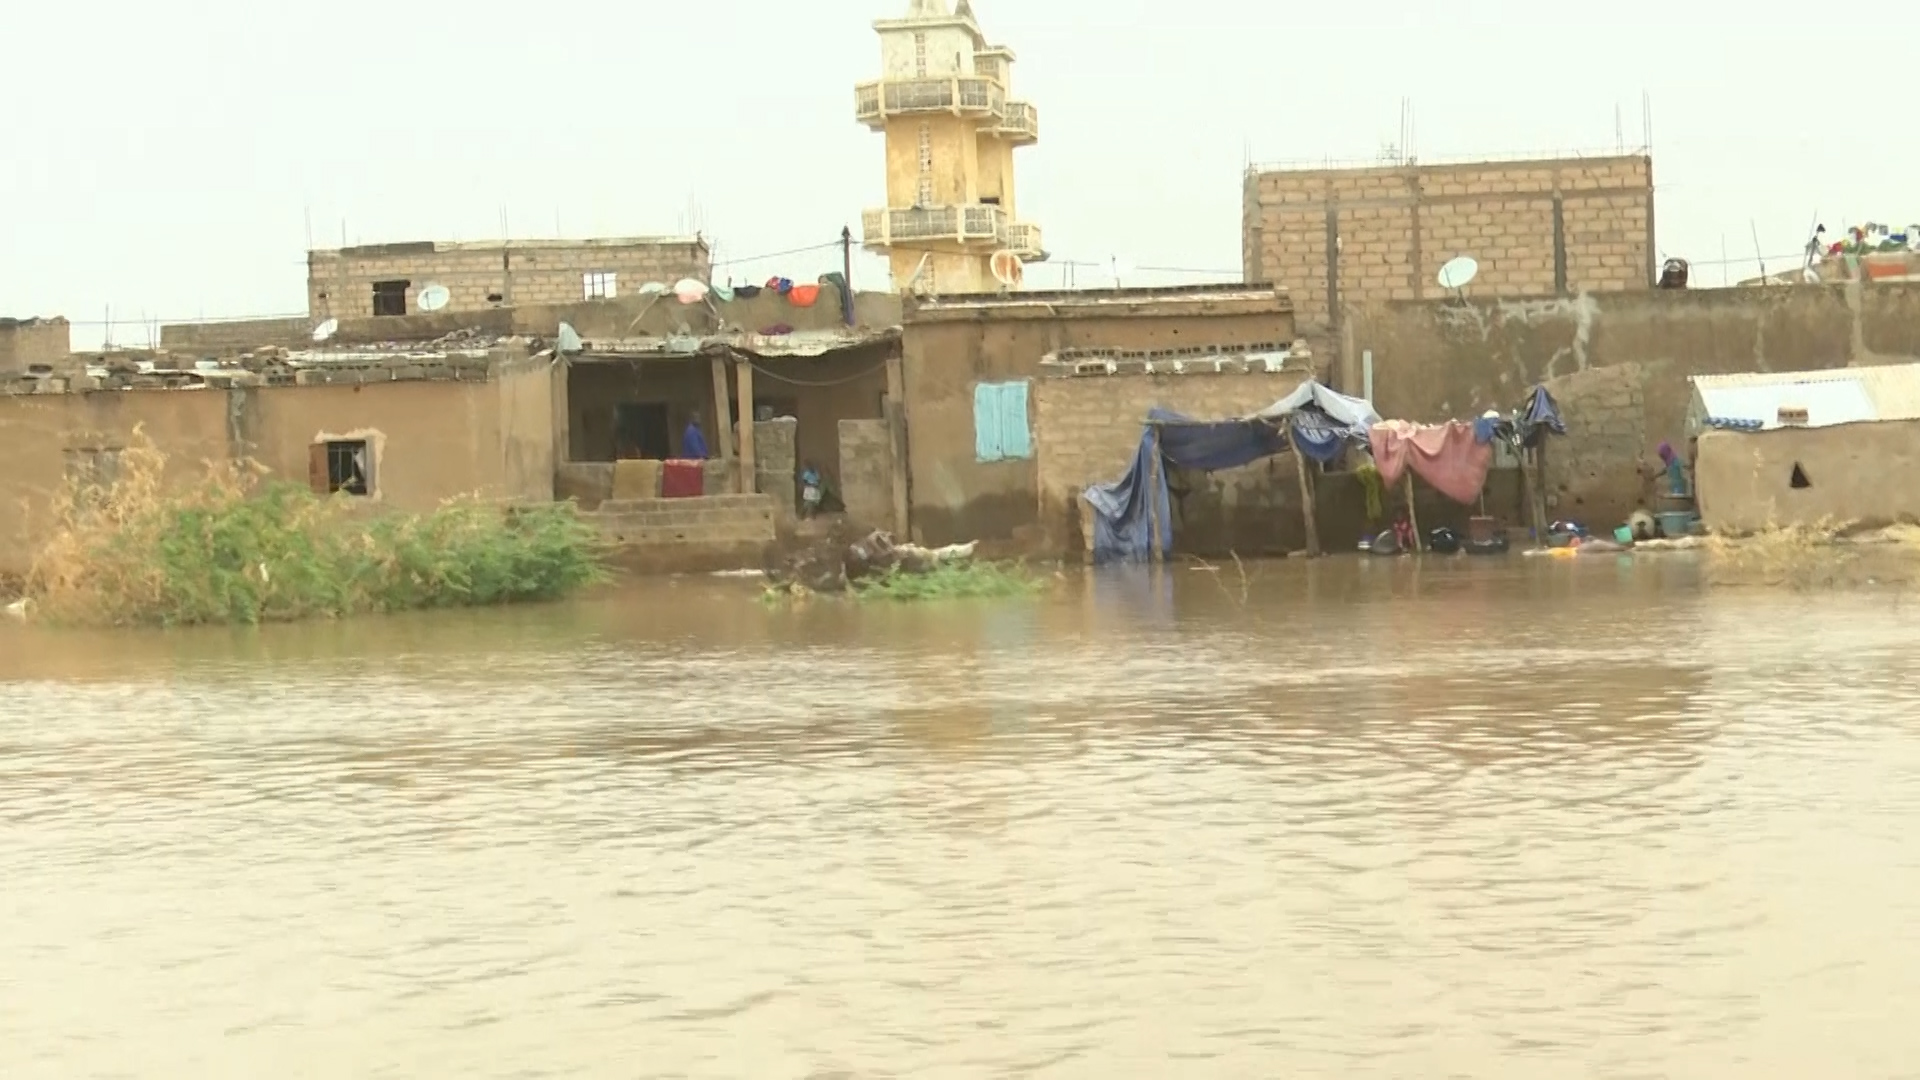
{"points": [[1153, 498], [722, 423], [896, 410], [743, 375], [1413, 517], [1306, 498]]}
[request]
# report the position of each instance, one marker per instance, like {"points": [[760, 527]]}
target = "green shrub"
{"points": [[234, 548]]}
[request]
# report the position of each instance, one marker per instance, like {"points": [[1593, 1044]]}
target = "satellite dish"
{"points": [[1007, 269], [326, 330], [569, 339], [1458, 272], [434, 297], [652, 288]]}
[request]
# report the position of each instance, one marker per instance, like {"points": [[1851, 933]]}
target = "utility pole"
{"points": [[846, 273]]}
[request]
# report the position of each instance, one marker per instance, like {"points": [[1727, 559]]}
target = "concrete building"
{"points": [[418, 426], [26, 343], [969, 365], [943, 102], [386, 279], [1335, 237]]}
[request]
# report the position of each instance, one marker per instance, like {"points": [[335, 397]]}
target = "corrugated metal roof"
{"points": [[1836, 396]]}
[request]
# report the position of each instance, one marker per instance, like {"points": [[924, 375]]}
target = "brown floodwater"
{"points": [[1509, 819]]}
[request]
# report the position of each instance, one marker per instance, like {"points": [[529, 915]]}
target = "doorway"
{"points": [[640, 431]]}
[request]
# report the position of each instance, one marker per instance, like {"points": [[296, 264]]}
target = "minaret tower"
{"points": [[942, 102]]}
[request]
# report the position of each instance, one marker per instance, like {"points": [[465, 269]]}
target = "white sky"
{"points": [[164, 159]]}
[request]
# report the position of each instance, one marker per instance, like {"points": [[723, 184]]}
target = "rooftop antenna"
{"points": [[1456, 273], [1751, 224], [1619, 131], [1120, 268]]}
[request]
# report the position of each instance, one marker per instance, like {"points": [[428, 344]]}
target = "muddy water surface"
{"points": [[1347, 820]]}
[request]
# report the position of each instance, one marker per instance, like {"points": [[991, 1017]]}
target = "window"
{"points": [[599, 285], [390, 297], [340, 465], [1000, 431], [919, 55]]}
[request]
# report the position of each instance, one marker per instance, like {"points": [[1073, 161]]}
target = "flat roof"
{"points": [[430, 247], [1176, 294]]}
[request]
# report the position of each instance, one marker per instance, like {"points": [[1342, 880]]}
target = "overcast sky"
{"points": [[168, 160]]}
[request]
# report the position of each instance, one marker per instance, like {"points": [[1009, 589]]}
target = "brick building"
{"points": [[1557, 226], [386, 279], [27, 342]]}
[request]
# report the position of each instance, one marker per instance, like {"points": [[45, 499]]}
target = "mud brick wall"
{"points": [[866, 472], [480, 277], [1394, 226]]}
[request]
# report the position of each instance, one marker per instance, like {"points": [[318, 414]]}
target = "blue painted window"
{"points": [[1000, 429]]}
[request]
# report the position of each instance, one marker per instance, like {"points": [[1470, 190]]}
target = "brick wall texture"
{"points": [[717, 521], [1087, 429], [1398, 224], [340, 283], [25, 342], [866, 472]]}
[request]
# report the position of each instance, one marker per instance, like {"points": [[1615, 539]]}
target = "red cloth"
{"points": [[803, 295], [683, 479], [1445, 455]]}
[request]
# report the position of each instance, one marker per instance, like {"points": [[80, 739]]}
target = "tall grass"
{"points": [[235, 546]]}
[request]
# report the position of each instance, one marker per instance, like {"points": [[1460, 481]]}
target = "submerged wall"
{"points": [[1618, 363], [1852, 473]]}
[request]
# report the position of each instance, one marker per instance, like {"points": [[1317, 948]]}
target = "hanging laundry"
{"points": [[746, 292], [1444, 455], [776, 330], [780, 285], [653, 288], [723, 293], [683, 479], [689, 291], [803, 295]]}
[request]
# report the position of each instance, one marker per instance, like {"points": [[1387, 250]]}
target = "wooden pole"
{"points": [[1413, 518], [896, 410], [1153, 498], [722, 407], [743, 375], [1306, 498]]}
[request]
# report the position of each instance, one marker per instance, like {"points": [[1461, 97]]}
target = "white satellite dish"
{"points": [[326, 330], [1007, 269], [434, 297], [1457, 272], [569, 339]]}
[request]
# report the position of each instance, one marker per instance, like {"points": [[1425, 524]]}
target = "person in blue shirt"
{"points": [[693, 444]]}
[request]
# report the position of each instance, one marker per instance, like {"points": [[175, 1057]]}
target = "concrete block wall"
{"points": [[26, 342], [714, 521], [1087, 430], [240, 334], [866, 472], [483, 276], [1398, 224], [776, 471]]}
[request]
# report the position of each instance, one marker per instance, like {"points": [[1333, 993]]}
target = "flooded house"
{"points": [[1775, 449]]}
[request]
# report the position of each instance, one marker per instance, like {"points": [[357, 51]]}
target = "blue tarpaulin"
{"points": [[1319, 421]]}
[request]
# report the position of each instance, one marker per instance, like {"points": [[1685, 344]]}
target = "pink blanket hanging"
{"points": [[1445, 455]]}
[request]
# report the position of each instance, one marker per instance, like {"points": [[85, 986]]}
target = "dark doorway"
{"points": [[640, 431], [390, 297]]}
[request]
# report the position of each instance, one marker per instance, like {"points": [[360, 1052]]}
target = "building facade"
{"points": [[1549, 227], [387, 279], [25, 343], [943, 102]]}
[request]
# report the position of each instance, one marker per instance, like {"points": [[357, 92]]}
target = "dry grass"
{"points": [[233, 546], [1238, 587]]}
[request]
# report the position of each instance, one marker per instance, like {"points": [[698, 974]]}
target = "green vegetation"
{"points": [[234, 547]]}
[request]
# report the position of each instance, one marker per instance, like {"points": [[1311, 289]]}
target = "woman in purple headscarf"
{"points": [[1676, 470]]}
